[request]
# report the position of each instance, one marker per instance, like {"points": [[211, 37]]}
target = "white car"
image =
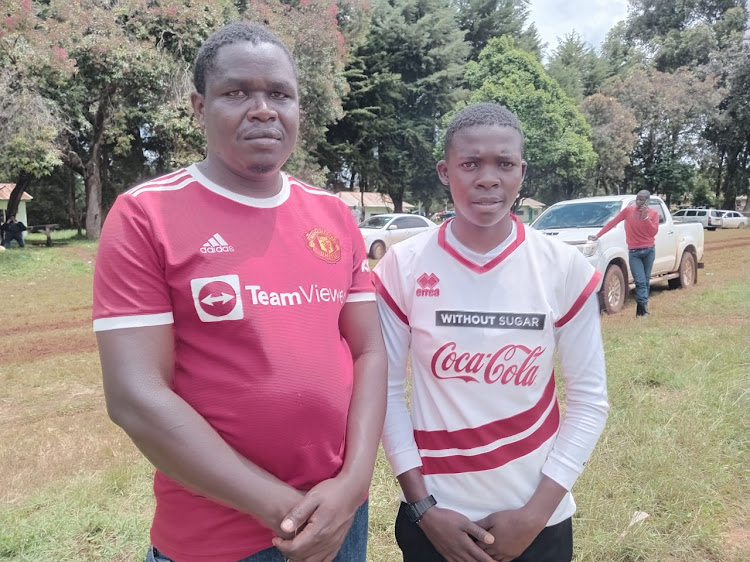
{"points": [[733, 219], [382, 231], [709, 218]]}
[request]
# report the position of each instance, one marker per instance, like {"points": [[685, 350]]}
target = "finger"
{"points": [[474, 530], [299, 514]]}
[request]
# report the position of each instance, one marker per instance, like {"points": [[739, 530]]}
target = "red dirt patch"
{"points": [[51, 345]]}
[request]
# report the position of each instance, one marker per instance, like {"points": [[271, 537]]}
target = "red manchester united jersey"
{"points": [[254, 289]]}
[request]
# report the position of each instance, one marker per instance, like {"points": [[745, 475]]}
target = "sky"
{"points": [[591, 19]]}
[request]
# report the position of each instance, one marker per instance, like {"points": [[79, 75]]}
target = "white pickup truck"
{"points": [[678, 246]]}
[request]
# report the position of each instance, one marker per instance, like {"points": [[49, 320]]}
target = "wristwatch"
{"points": [[415, 511]]}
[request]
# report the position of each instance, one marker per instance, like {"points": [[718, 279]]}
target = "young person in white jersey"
{"points": [[238, 332], [483, 305]]}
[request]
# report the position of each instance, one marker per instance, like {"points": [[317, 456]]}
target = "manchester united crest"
{"points": [[324, 245]]}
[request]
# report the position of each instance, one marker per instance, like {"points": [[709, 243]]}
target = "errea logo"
{"points": [[427, 285]]}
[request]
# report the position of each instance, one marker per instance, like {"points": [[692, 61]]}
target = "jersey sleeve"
{"points": [[398, 431], [612, 223], [581, 355], [581, 281], [130, 289], [362, 288]]}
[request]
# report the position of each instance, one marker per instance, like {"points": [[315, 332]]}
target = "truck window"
{"points": [[593, 214]]}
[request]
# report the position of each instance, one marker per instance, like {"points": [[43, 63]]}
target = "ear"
{"points": [[199, 104], [442, 170]]}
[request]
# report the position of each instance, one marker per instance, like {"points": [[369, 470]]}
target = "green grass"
{"points": [[72, 485]]}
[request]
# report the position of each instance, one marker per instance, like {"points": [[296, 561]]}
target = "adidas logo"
{"points": [[216, 245]]}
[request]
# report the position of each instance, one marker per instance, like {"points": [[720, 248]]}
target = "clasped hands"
{"points": [[315, 528], [499, 537]]}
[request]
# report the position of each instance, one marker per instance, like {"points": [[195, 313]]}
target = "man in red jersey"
{"points": [[238, 332], [641, 228]]}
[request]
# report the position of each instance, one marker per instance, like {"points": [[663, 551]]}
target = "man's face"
{"points": [[484, 169], [250, 110], [641, 199]]}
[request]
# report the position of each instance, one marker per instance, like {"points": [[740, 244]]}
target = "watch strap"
{"points": [[415, 511]]}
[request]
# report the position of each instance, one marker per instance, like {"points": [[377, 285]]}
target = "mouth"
{"points": [[487, 202], [262, 134]]}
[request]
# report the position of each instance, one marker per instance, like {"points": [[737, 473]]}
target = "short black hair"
{"points": [[481, 114], [238, 32]]}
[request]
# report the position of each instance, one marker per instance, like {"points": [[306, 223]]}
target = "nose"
{"points": [[260, 108], [487, 179]]}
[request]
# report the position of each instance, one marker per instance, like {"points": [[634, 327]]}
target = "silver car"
{"points": [[382, 231]]}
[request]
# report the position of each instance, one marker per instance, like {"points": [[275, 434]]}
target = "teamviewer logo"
{"points": [[217, 298]]}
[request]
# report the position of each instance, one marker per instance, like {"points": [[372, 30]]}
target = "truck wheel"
{"points": [[377, 250], [688, 273], [612, 293]]}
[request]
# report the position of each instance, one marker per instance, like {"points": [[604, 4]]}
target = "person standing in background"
{"points": [[641, 227]]}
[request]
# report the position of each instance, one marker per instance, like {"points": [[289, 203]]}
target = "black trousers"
{"points": [[553, 544]]}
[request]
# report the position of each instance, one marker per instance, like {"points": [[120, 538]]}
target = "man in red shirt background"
{"points": [[641, 226]]}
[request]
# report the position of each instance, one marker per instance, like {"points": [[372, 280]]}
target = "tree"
{"points": [[486, 19], [613, 137], [30, 125], [403, 79], [577, 67], [729, 128], [558, 146], [672, 111], [684, 33]]}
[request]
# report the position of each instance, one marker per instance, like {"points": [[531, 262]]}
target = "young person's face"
{"points": [[484, 169], [250, 110]]}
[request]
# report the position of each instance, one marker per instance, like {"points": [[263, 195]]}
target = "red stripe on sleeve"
{"points": [[459, 464], [472, 437], [582, 298], [386, 296]]}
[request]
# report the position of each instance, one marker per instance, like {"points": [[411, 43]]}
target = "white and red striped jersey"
{"points": [[483, 332], [254, 289]]}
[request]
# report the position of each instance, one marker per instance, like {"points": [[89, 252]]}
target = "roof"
{"points": [[529, 202], [372, 199], [6, 188]]}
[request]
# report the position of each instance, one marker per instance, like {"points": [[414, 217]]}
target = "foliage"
{"points": [[486, 19], [577, 68], [403, 78], [558, 146], [613, 139], [672, 112]]}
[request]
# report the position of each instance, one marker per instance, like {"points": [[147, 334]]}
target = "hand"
{"points": [[451, 534], [644, 212], [514, 530], [319, 523]]}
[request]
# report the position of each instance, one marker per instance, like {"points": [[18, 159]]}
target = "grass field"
{"points": [[73, 487]]}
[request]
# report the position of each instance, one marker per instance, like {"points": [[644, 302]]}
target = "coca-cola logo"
{"points": [[511, 364]]}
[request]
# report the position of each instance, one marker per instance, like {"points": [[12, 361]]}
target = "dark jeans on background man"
{"points": [[354, 548], [641, 261], [553, 544]]}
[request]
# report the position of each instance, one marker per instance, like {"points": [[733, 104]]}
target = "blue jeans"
{"points": [[641, 261], [354, 548]]}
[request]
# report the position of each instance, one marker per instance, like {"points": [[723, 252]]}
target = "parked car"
{"points": [[679, 247], [733, 219], [382, 231], [709, 218], [441, 216]]}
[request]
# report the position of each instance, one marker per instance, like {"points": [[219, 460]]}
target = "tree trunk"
{"points": [[93, 182], [22, 182]]}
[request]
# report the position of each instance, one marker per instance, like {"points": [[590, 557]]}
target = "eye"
{"points": [[279, 95], [469, 165], [235, 94], [506, 164]]}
